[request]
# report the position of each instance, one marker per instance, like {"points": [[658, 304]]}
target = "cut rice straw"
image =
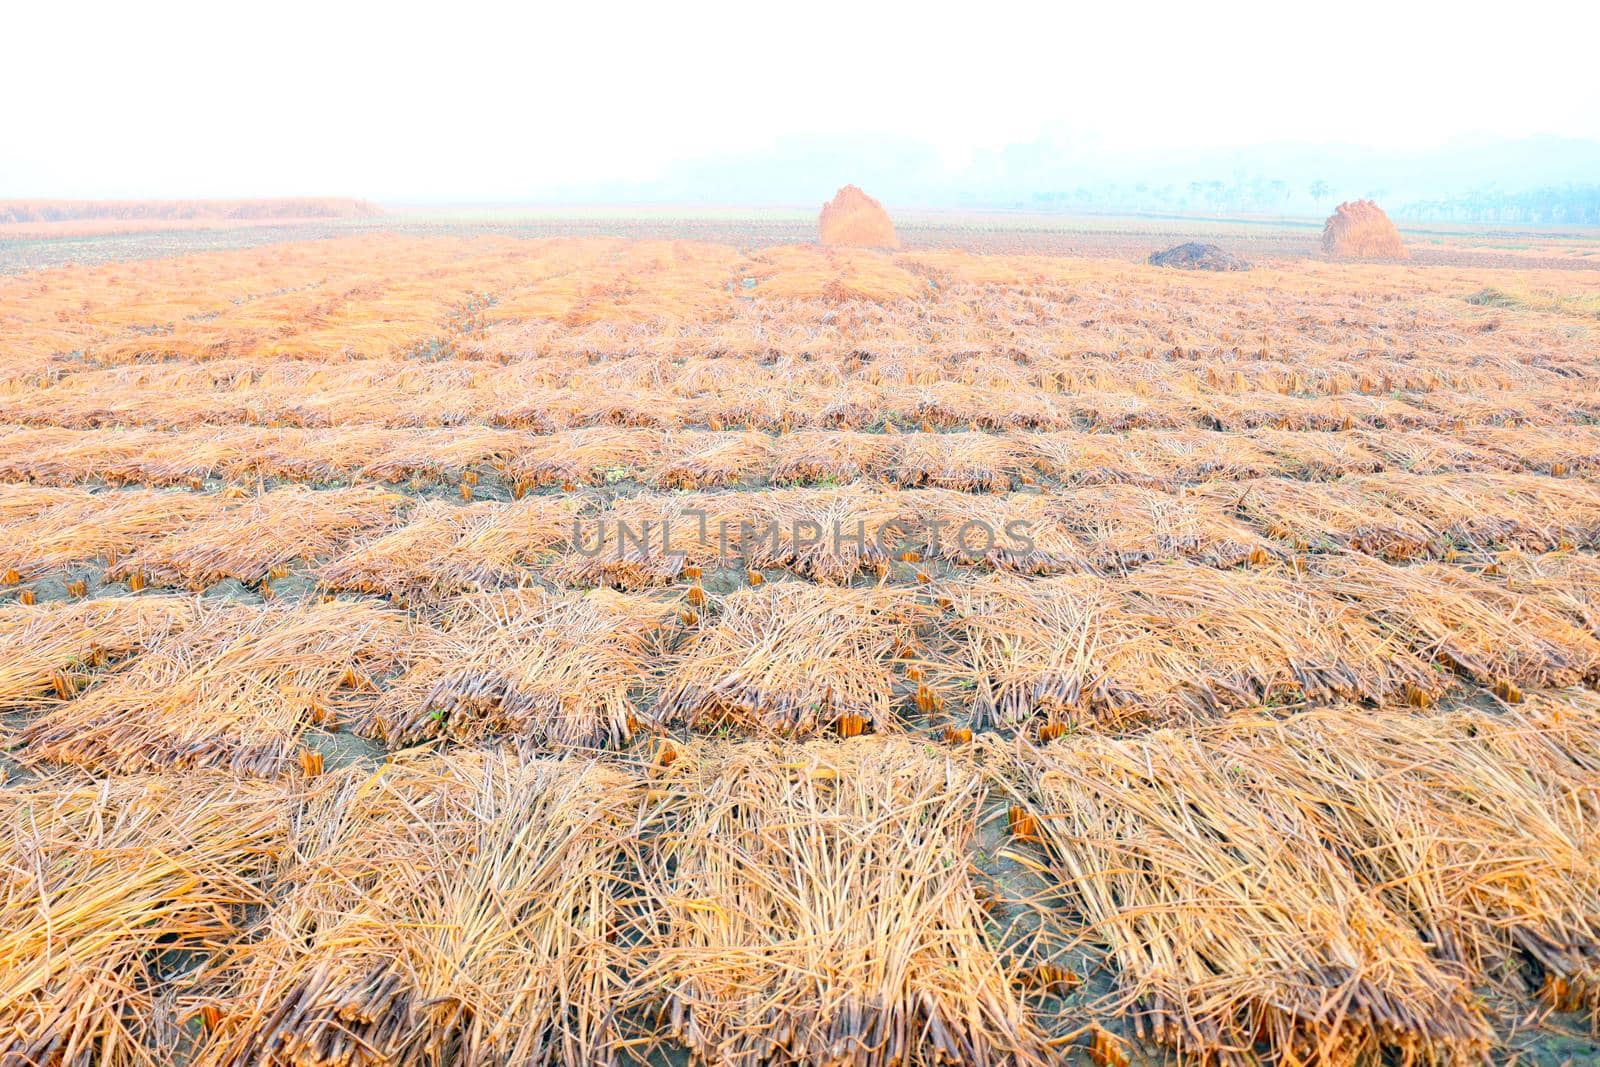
{"points": [[818, 907], [794, 659], [48, 652], [1234, 935], [97, 527], [1171, 641], [550, 670], [469, 909], [1465, 823], [109, 889], [260, 534], [1479, 628], [235, 689]]}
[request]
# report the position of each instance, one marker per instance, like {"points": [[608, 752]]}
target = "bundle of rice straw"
{"points": [[852, 219], [1359, 229], [794, 659], [1256, 411], [580, 457], [445, 454], [1236, 938], [1318, 455], [469, 909], [1326, 516], [23, 500], [322, 455], [846, 409], [1493, 509], [1262, 635], [643, 541], [1477, 627], [1108, 411], [764, 405], [1063, 647], [1466, 823], [96, 526], [552, 670], [509, 541], [933, 403], [817, 907], [1074, 458], [1199, 455], [1170, 641], [49, 651], [236, 688], [261, 534], [109, 888], [966, 461], [827, 535], [1569, 581], [1020, 532], [444, 549], [1124, 526], [407, 562], [1554, 450], [818, 457], [1427, 452], [712, 460], [118, 457], [541, 411], [1563, 741]]}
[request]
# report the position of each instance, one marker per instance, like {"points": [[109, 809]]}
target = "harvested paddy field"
{"points": [[431, 648]]}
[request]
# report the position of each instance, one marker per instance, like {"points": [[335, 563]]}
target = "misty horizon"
{"points": [[1256, 108], [1058, 173]]}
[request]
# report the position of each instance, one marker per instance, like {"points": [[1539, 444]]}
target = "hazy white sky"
{"points": [[476, 100]]}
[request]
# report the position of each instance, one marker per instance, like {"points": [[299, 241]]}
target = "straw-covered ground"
{"points": [[477, 650]]}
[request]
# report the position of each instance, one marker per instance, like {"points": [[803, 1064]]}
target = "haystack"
{"points": [[1358, 229], [852, 219]]}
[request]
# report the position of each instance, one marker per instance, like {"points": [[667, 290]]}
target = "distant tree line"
{"points": [[1259, 195], [287, 207], [1253, 194], [1552, 205]]}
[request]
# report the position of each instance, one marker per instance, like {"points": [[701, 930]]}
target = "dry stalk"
{"points": [[1231, 929], [108, 888], [553, 670], [794, 659], [816, 906], [471, 909], [236, 688]]}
